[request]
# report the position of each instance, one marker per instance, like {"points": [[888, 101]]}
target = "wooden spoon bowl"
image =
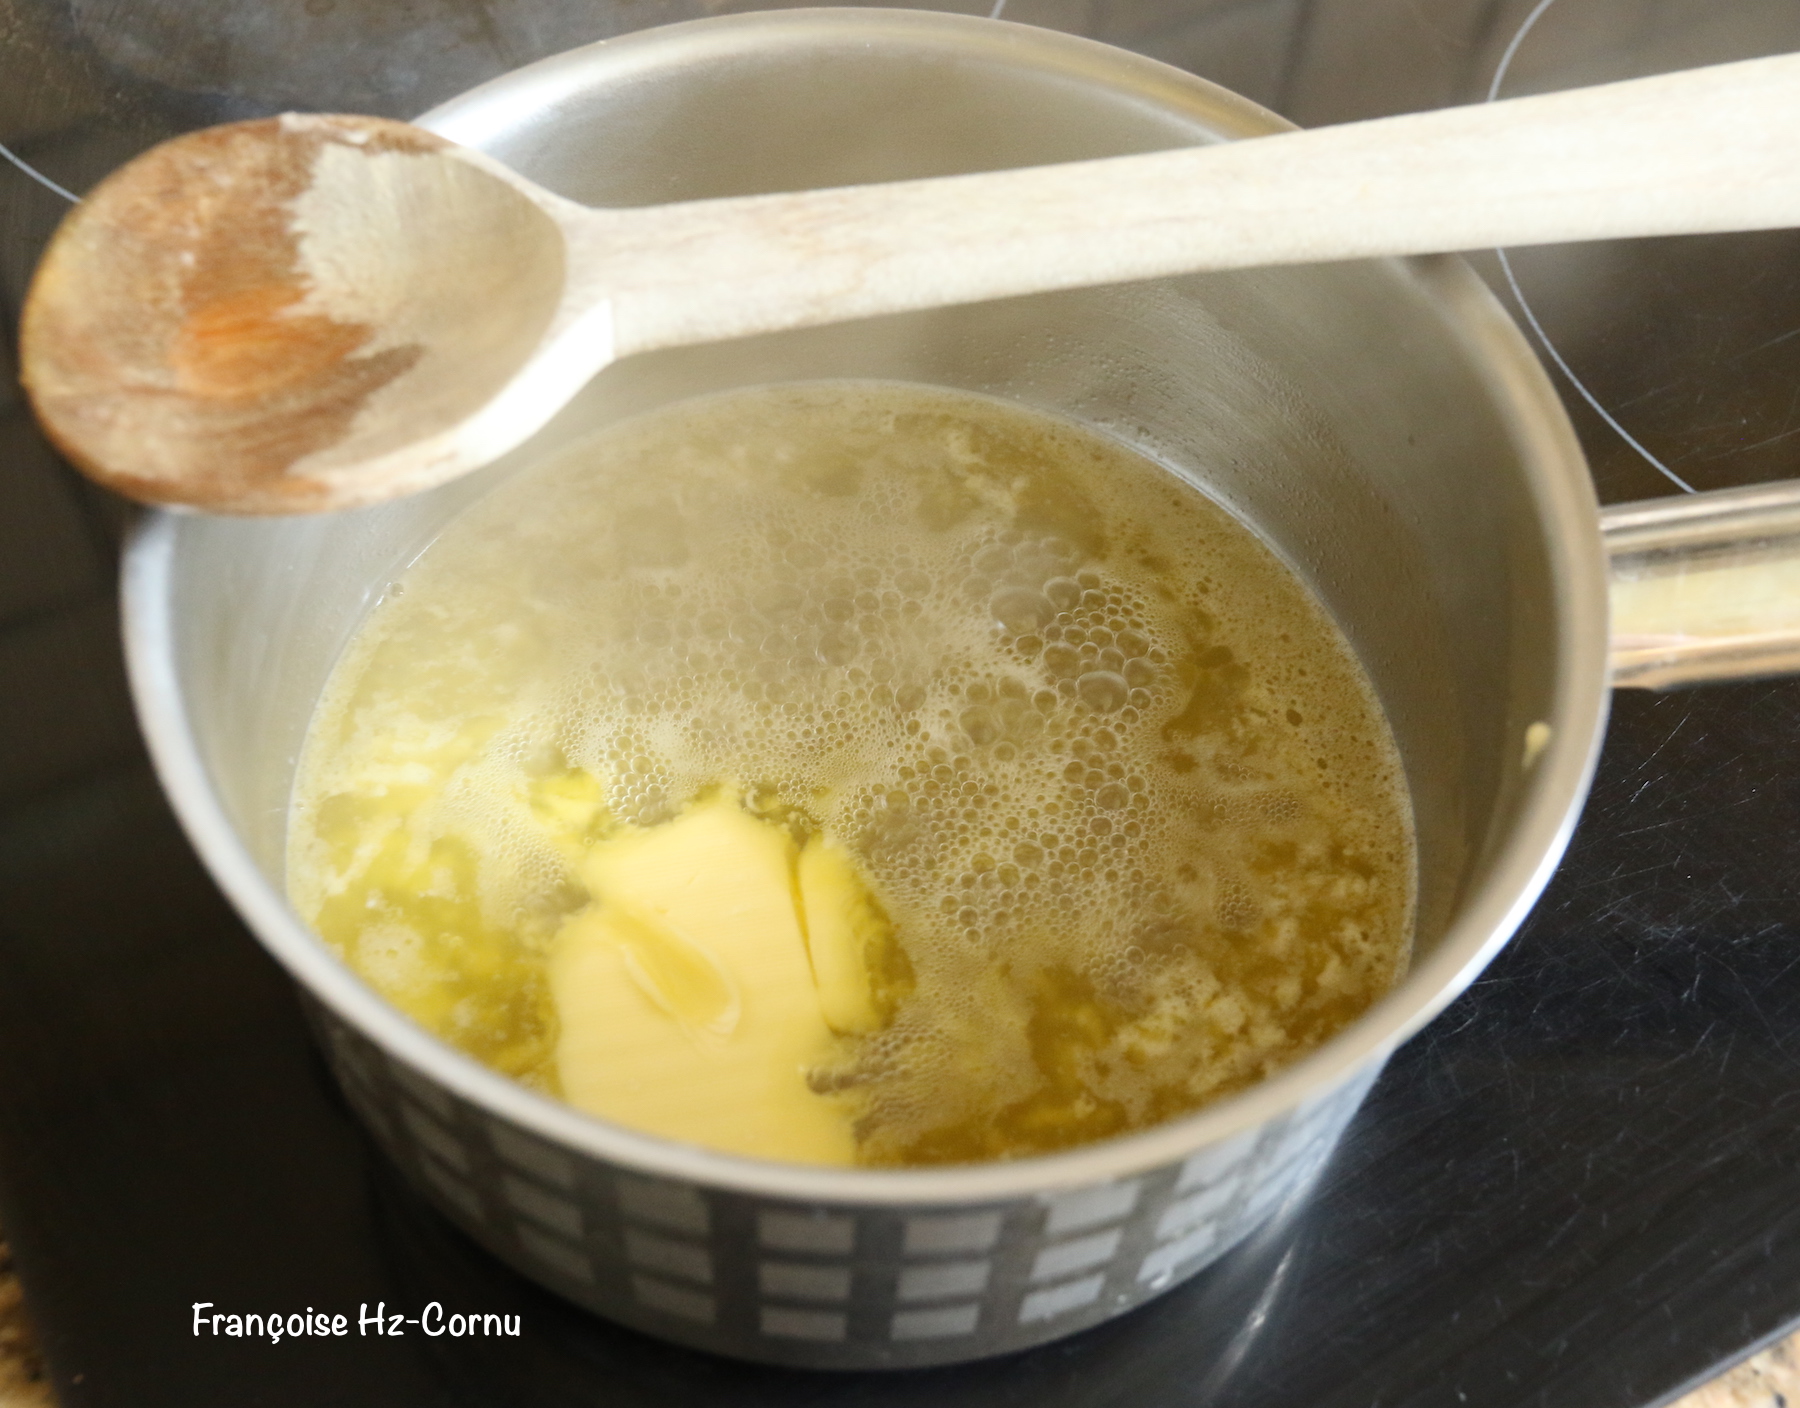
{"points": [[221, 323]]}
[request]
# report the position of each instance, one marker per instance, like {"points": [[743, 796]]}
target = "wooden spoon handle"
{"points": [[1701, 150]]}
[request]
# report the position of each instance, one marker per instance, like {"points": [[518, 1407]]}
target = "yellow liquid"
{"points": [[1118, 827]]}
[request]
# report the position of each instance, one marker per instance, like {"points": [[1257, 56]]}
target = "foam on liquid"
{"points": [[1114, 776]]}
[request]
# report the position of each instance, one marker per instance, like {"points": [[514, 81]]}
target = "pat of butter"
{"points": [[842, 927], [687, 1003]]}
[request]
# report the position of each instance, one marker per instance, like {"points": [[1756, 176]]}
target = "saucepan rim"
{"points": [[1516, 871]]}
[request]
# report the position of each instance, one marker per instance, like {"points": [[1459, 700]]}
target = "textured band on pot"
{"points": [[841, 1284]]}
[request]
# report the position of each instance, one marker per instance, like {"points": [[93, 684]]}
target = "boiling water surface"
{"points": [[1117, 824]]}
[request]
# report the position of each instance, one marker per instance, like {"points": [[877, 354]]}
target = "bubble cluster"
{"points": [[1096, 749]]}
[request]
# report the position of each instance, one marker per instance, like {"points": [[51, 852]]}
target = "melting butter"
{"points": [[844, 927], [859, 771], [689, 1002]]}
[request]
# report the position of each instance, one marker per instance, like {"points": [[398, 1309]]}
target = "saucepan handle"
{"points": [[1705, 586]]}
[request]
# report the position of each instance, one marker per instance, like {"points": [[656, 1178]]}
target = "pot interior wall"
{"points": [[1336, 409]]}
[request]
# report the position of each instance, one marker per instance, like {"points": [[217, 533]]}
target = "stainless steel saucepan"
{"points": [[1382, 424]]}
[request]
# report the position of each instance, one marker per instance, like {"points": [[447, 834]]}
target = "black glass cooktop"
{"points": [[1580, 1187]]}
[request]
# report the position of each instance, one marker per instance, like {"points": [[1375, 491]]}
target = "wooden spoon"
{"points": [[308, 313]]}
